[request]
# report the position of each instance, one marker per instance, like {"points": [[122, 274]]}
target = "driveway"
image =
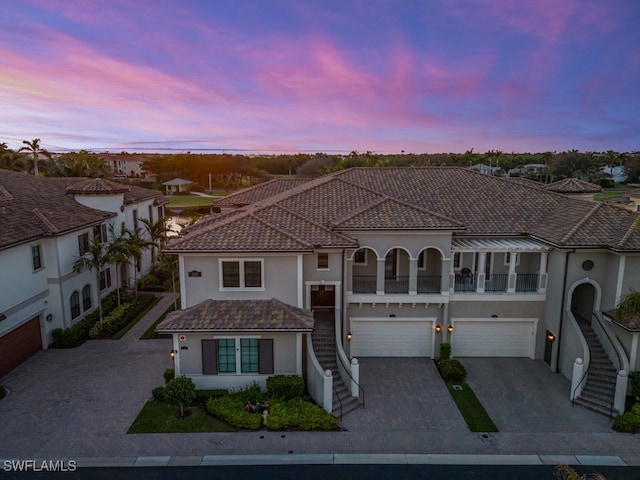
{"points": [[520, 395]]}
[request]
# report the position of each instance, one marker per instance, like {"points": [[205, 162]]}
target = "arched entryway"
{"points": [[584, 301]]}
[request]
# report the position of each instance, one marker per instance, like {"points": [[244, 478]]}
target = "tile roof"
{"points": [[573, 185], [34, 207], [431, 198], [261, 191], [238, 316]]}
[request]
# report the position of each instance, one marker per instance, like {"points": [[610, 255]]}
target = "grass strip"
{"points": [[130, 325], [150, 333], [157, 417], [477, 418], [183, 201]]}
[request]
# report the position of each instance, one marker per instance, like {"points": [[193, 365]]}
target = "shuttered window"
{"points": [[221, 356]]}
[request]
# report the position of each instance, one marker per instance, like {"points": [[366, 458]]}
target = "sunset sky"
{"points": [[321, 76]]}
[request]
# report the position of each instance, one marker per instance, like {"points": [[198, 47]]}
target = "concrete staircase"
{"points": [[324, 345], [599, 389]]}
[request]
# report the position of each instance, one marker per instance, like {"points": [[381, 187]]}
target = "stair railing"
{"points": [[341, 357], [621, 363], [339, 400], [577, 319]]}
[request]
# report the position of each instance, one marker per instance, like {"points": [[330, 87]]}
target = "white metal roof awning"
{"points": [[497, 245]]}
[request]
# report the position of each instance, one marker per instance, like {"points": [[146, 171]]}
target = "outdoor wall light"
{"points": [[438, 328], [173, 353], [450, 329], [551, 337], [49, 318], [349, 336]]}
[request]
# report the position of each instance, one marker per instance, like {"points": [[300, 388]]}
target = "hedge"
{"points": [[628, 422], [285, 387], [299, 414], [231, 409], [452, 370]]}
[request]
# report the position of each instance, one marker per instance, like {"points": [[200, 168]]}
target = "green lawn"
{"points": [[184, 201], [472, 411], [156, 417], [609, 192]]}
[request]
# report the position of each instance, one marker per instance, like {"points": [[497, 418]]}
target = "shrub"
{"points": [[452, 370], [252, 393], [445, 351], [158, 394], [180, 391], [628, 422], [169, 374], [230, 409], [202, 396], [299, 414], [110, 323], [285, 387]]}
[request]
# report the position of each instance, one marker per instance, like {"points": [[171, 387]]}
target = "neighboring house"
{"points": [[47, 223], [617, 174], [484, 168], [574, 187], [401, 260], [127, 165], [629, 200], [177, 185]]}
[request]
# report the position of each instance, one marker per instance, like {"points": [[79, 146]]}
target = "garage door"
{"points": [[504, 338], [19, 344], [397, 338]]}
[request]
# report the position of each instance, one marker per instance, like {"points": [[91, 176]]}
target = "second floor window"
{"points": [[35, 257], [242, 274], [323, 261], [83, 243], [105, 279]]}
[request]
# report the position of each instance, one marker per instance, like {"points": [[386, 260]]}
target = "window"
{"points": [[227, 355], [36, 259], [222, 355], [100, 232], [323, 261], [507, 258], [75, 304], [151, 213], [456, 260], [105, 279], [83, 243], [86, 297], [135, 220], [360, 257], [249, 355], [241, 274]]}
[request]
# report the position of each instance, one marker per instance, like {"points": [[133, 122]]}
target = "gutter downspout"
{"points": [[562, 309]]}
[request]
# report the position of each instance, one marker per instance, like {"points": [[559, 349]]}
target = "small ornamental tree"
{"points": [[180, 391]]}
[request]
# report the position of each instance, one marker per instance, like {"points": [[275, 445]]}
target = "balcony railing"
{"points": [[398, 284], [496, 282], [527, 282], [465, 282], [429, 283], [364, 283]]}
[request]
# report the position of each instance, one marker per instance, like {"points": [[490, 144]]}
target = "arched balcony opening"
{"points": [[364, 262], [429, 271]]}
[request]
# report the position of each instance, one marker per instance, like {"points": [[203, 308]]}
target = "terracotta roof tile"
{"points": [[238, 316], [261, 191], [573, 185]]}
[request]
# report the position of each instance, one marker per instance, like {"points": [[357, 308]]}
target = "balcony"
{"points": [[396, 285], [429, 283], [364, 283], [496, 282]]}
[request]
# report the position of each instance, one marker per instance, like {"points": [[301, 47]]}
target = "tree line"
{"points": [[234, 170]]}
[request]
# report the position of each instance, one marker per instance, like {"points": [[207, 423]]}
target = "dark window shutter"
{"points": [[209, 357], [265, 351]]}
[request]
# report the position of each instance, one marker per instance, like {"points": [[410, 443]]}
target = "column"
{"points": [[542, 273], [446, 280], [413, 276], [349, 275], [511, 285], [482, 262], [452, 274], [380, 276]]}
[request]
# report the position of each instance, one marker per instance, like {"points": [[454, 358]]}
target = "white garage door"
{"points": [[391, 338], [503, 338]]}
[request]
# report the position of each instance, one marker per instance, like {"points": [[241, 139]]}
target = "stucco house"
{"points": [[396, 261], [177, 185], [47, 223]]}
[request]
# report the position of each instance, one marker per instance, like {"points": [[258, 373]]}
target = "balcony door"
{"points": [[391, 264]]}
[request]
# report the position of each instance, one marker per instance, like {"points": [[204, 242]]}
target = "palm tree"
{"points": [[95, 258], [80, 164], [35, 150], [118, 251], [629, 306], [157, 232], [10, 159]]}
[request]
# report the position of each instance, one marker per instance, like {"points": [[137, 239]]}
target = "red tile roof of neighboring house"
{"points": [[573, 185], [238, 316], [33, 207], [431, 198]]}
